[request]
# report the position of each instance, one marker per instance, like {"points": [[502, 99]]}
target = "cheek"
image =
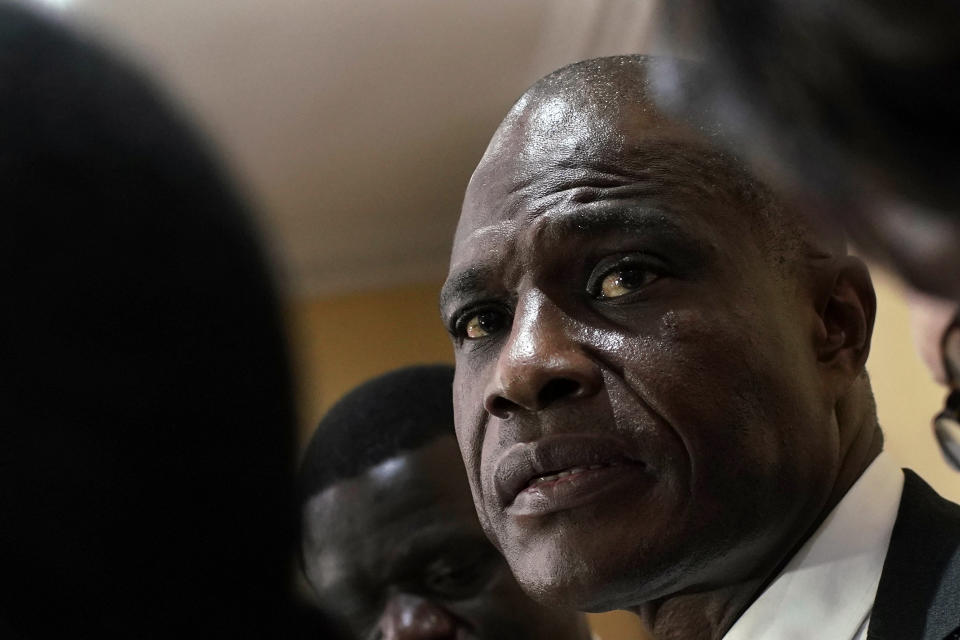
{"points": [[468, 417], [470, 420], [721, 381], [688, 350]]}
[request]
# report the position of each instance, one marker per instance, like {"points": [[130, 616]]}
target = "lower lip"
{"points": [[575, 490]]}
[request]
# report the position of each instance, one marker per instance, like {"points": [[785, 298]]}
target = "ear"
{"points": [[847, 308]]}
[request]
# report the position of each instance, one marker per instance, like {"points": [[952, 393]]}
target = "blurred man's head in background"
{"points": [[391, 542]]}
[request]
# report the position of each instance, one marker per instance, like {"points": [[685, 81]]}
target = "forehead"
{"points": [[554, 154], [404, 505]]}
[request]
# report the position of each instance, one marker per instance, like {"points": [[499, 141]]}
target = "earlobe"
{"points": [[847, 308]]}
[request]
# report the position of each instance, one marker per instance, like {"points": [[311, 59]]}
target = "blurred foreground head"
{"points": [[392, 544], [145, 401], [851, 106]]}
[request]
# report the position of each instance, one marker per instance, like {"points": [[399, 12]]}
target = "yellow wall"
{"points": [[342, 341], [907, 397]]}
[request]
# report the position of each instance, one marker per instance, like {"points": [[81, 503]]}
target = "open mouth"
{"points": [[564, 471], [554, 477]]}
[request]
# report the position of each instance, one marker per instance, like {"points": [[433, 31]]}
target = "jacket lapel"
{"points": [[919, 593]]}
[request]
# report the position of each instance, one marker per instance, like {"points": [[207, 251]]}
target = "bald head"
{"points": [[643, 407], [585, 122], [608, 88]]}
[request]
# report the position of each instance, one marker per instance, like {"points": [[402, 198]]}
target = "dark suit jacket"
{"points": [[919, 593]]}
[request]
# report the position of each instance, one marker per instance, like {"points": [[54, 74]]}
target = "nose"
{"points": [[541, 363], [409, 617]]}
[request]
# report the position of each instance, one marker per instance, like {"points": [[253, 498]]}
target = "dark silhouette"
{"points": [[146, 415]]}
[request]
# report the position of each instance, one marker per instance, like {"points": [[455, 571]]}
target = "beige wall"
{"points": [[341, 341], [907, 398]]}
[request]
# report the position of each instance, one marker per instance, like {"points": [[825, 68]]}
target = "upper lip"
{"points": [[525, 461]]}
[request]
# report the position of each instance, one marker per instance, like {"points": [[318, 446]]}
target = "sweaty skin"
{"points": [[398, 554], [620, 317]]}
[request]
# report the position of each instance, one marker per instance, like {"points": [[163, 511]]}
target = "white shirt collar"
{"points": [[828, 588]]}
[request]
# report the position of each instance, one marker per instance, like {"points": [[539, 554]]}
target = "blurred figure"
{"points": [[146, 417], [848, 105], [850, 108], [936, 331], [391, 539]]}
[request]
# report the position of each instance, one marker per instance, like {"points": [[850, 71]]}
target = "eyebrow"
{"points": [[591, 221], [464, 283], [599, 221]]}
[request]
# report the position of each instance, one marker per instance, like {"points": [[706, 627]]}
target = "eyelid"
{"points": [[604, 267], [459, 319], [479, 573]]}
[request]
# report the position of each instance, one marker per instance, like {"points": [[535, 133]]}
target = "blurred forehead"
{"points": [[409, 495]]}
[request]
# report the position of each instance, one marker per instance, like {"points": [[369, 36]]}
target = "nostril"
{"points": [[500, 407], [557, 389]]}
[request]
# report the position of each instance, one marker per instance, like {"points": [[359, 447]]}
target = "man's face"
{"points": [[637, 396], [397, 553]]}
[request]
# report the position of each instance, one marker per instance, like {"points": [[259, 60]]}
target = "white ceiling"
{"points": [[356, 123]]}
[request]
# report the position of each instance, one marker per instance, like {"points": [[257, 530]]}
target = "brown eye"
{"points": [[483, 324], [460, 582], [463, 576], [623, 281]]}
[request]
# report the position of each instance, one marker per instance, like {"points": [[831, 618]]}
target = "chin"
{"points": [[598, 574], [589, 593], [565, 580], [557, 593]]}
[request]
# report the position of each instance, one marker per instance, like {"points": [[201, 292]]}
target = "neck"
{"points": [[709, 615], [583, 628], [698, 616]]}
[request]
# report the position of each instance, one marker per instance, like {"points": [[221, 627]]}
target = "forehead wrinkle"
{"points": [[583, 195], [572, 181], [589, 219], [593, 221], [486, 266], [467, 238], [657, 165]]}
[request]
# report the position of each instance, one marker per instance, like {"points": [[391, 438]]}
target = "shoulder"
{"points": [[919, 592]]}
